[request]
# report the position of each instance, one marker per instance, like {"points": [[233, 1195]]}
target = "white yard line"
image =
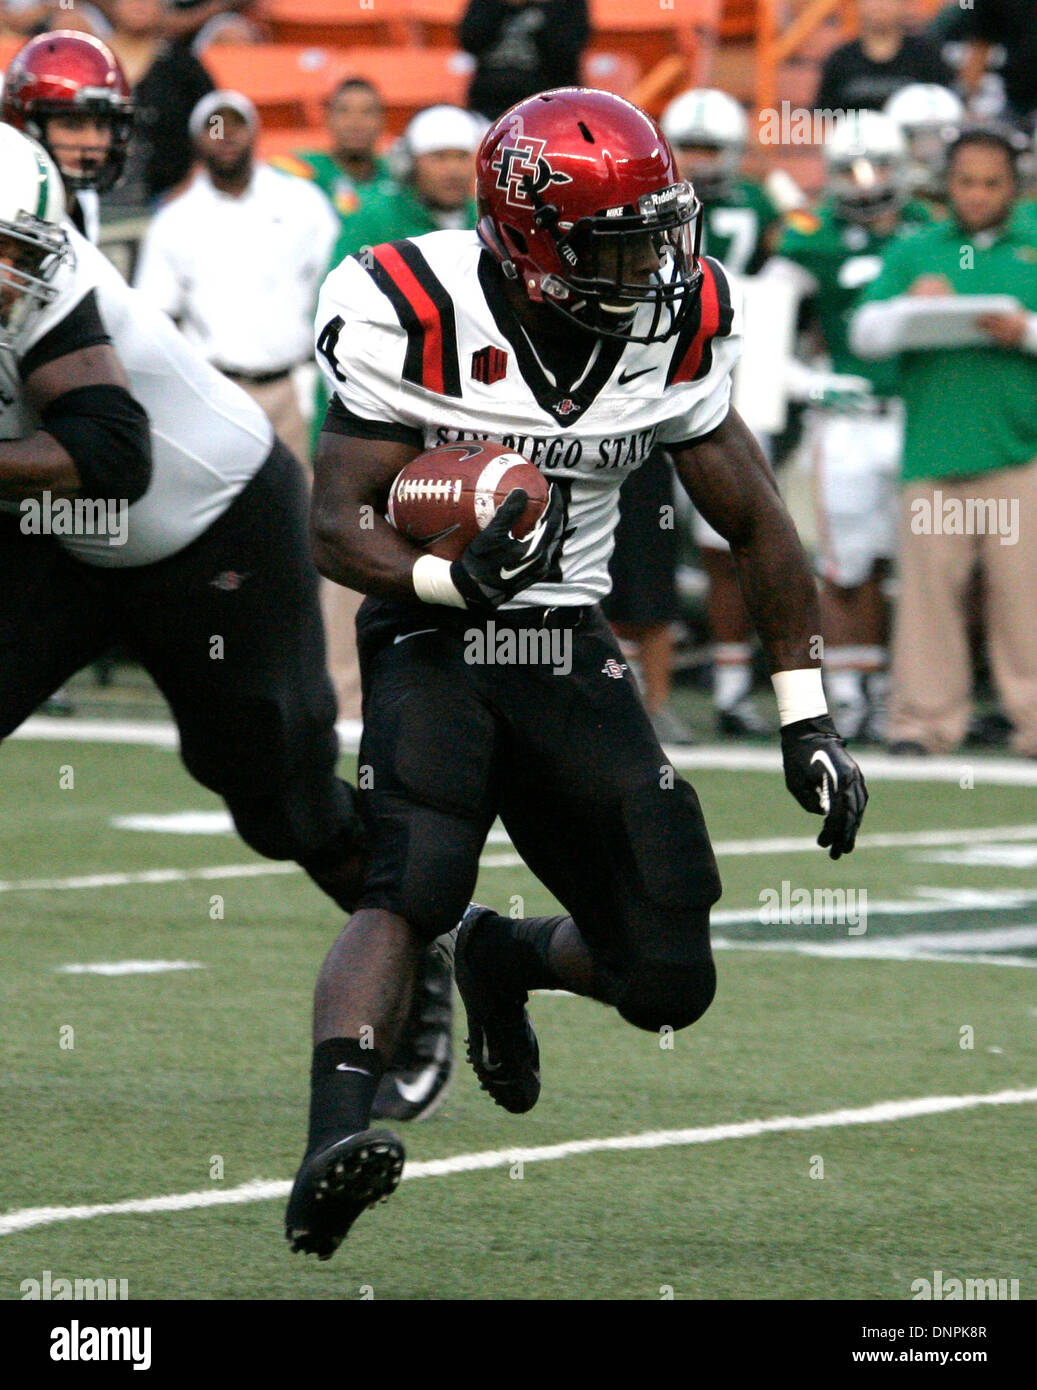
{"points": [[36, 885], [263, 1190], [129, 967], [986, 771]]}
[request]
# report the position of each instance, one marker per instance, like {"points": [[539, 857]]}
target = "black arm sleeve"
{"points": [[340, 420], [82, 328], [106, 434]]}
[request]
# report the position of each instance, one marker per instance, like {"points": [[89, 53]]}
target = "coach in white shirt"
{"points": [[237, 260]]}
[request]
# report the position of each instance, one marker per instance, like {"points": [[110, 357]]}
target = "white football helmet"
{"points": [[32, 242], [866, 161], [930, 116], [707, 119]]}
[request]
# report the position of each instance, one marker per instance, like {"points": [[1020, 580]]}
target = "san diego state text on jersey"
{"points": [[559, 451]]}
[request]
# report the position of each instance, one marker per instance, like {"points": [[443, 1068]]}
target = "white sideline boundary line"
{"points": [[261, 1190], [991, 772]]}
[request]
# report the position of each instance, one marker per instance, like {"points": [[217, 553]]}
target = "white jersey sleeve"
{"points": [[362, 348], [710, 360]]}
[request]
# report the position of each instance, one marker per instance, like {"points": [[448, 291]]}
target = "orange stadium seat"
{"points": [[650, 33], [337, 23], [288, 83], [410, 78]]}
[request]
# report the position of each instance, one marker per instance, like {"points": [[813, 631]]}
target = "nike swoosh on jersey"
{"points": [[402, 636], [624, 377]]}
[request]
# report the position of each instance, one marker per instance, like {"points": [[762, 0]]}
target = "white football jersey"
{"points": [[208, 437], [418, 343]]}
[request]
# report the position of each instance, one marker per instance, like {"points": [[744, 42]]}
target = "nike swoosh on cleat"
{"points": [[414, 1092], [344, 1066]]}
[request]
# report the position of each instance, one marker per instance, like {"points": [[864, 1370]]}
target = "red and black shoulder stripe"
{"points": [[710, 318], [425, 311]]}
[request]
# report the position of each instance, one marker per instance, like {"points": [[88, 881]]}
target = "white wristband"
{"points": [[432, 583], [800, 695]]}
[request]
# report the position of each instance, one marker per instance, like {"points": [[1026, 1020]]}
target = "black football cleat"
{"points": [[502, 1046], [336, 1184], [418, 1081]]}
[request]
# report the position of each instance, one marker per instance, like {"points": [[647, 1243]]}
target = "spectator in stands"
{"points": [[866, 72], [167, 82], [346, 174], [352, 168], [522, 47], [970, 455], [435, 159], [1013, 25], [238, 259]]}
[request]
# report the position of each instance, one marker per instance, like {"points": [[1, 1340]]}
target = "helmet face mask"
{"points": [[31, 251], [100, 165], [866, 189], [581, 203], [713, 169], [866, 162], [626, 258]]}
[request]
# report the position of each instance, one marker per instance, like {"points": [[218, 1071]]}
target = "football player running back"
{"points": [[578, 326]]}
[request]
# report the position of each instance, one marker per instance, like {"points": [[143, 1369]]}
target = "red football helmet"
{"points": [[70, 74], [579, 198]]}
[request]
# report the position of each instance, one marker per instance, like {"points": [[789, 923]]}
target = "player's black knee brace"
{"points": [[653, 997]]}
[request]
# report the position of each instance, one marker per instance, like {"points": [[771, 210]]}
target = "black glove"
{"points": [[496, 566], [824, 779]]}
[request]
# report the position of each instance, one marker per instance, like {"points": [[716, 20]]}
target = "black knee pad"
{"points": [[666, 996], [424, 864]]}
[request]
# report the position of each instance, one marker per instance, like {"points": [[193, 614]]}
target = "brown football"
{"points": [[445, 497]]}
